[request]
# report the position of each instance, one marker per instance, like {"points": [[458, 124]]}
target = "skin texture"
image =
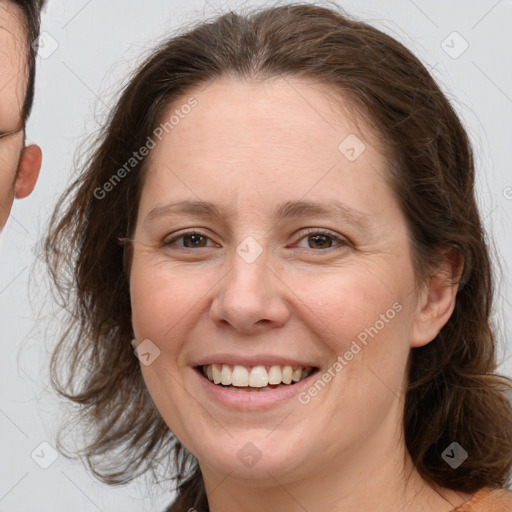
{"points": [[248, 147], [19, 164]]}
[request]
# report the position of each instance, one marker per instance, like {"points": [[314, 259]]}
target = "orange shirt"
{"points": [[488, 500]]}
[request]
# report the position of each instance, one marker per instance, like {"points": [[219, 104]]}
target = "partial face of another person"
{"points": [[266, 280], [19, 164]]}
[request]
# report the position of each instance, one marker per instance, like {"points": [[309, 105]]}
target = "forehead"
{"points": [[261, 142], [237, 121], [13, 64], [273, 101]]}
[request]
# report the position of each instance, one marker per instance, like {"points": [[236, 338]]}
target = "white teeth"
{"points": [[274, 375], [258, 378], [287, 373], [216, 373], [225, 376], [255, 377], [240, 376], [297, 374]]}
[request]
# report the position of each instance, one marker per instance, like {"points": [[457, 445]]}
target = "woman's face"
{"points": [[301, 258]]}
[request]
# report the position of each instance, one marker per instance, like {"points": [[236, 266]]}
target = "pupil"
{"points": [[195, 239], [319, 239]]}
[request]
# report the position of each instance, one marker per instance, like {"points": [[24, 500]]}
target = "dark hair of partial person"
{"points": [[31, 10], [453, 390]]}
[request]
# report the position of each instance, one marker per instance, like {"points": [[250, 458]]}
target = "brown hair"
{"points": [[31, 10], [453, 394]]}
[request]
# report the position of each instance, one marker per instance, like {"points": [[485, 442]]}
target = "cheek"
{"points": [[349, 301], [165, 301], [365, 323], [163, 311], [9, 156], [8, 166]]}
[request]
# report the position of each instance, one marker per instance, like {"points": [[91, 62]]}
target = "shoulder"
{"points": [[488, 499]]}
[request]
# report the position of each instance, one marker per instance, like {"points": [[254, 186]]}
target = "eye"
{"points": [[315, 238], [321, 239], [189, 240], [6, 134]]}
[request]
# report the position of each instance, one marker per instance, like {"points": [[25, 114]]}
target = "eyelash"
{"points": [[342, 242], [6, 134]]}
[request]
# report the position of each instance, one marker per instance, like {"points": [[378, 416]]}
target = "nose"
{"points": [[251, 298]]}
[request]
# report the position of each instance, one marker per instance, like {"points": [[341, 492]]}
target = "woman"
{"points": [[279, 216]]}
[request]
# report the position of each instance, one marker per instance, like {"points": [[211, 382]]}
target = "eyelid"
{"points": [[168, 240], [342, 241], [12, 132]]}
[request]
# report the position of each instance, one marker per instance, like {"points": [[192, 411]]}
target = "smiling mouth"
{"points": [[256, 378]]}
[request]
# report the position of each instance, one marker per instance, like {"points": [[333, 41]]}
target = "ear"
{"points": [[437, 299], [28, 171]]}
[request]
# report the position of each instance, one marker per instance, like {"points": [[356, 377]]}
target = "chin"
{"points": [[257, 461]]}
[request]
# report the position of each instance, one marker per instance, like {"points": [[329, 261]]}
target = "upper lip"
{"points": [[253, 360]]}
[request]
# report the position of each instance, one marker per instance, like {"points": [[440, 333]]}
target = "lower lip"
{"points": [[253, 400]]}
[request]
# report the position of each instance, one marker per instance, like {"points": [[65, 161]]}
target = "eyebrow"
{"points": [[288, 210]]}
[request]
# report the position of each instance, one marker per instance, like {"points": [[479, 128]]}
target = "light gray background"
{"points": [[98, 43]]}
